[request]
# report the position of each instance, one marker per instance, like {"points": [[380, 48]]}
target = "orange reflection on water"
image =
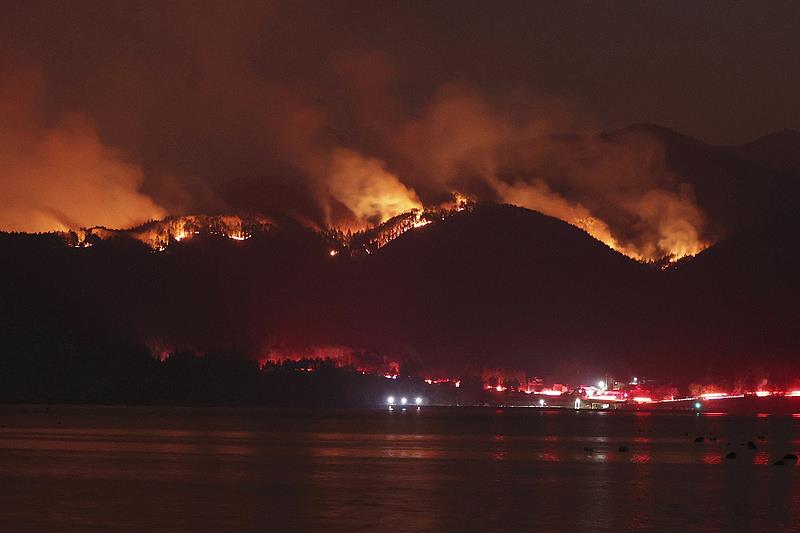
{"points": [[712, 459], [761, 458], [549, 457], [330, 452], [411, 453], [641, 458]]}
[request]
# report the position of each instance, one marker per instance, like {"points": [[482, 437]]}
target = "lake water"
{"points": [[448, 469]]}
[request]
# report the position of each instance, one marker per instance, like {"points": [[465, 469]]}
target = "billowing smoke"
{"points": [[62, 176], [371, 193], [537, 195], [216, 110], [619, 189]]}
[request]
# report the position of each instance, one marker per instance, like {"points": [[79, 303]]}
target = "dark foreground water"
{"points": [[173, 469]]}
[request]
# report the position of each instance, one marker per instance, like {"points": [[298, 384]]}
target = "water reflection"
{"points": [[550, 457], [713, 458], [456, 470]]}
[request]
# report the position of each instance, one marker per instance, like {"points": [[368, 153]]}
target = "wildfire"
{"points": [[421, 223], [371, 240], [158, 235], [676, 252]]}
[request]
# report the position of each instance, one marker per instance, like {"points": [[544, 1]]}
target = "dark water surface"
{"points": [[187, 469]]}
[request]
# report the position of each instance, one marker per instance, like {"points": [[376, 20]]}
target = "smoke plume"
{"points": [[371, 193], [62, 176], [619, 189]]}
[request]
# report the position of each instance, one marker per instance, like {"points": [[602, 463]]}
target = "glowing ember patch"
{"points": [[714, 395], [159, 234], [368, 240], [551, 392], [642, 399], [794, 393], [604, 397], [763, 393]]}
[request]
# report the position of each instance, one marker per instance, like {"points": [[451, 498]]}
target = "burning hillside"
{"points": [[158, 234], [371, 240]]}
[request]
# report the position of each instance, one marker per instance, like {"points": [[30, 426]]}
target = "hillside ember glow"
{"points": [[158, 235], [677, 222], [373, 239], [312, 358]]}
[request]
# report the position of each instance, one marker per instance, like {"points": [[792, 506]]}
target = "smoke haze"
{"points": [[119, 113], [61, 176]]}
